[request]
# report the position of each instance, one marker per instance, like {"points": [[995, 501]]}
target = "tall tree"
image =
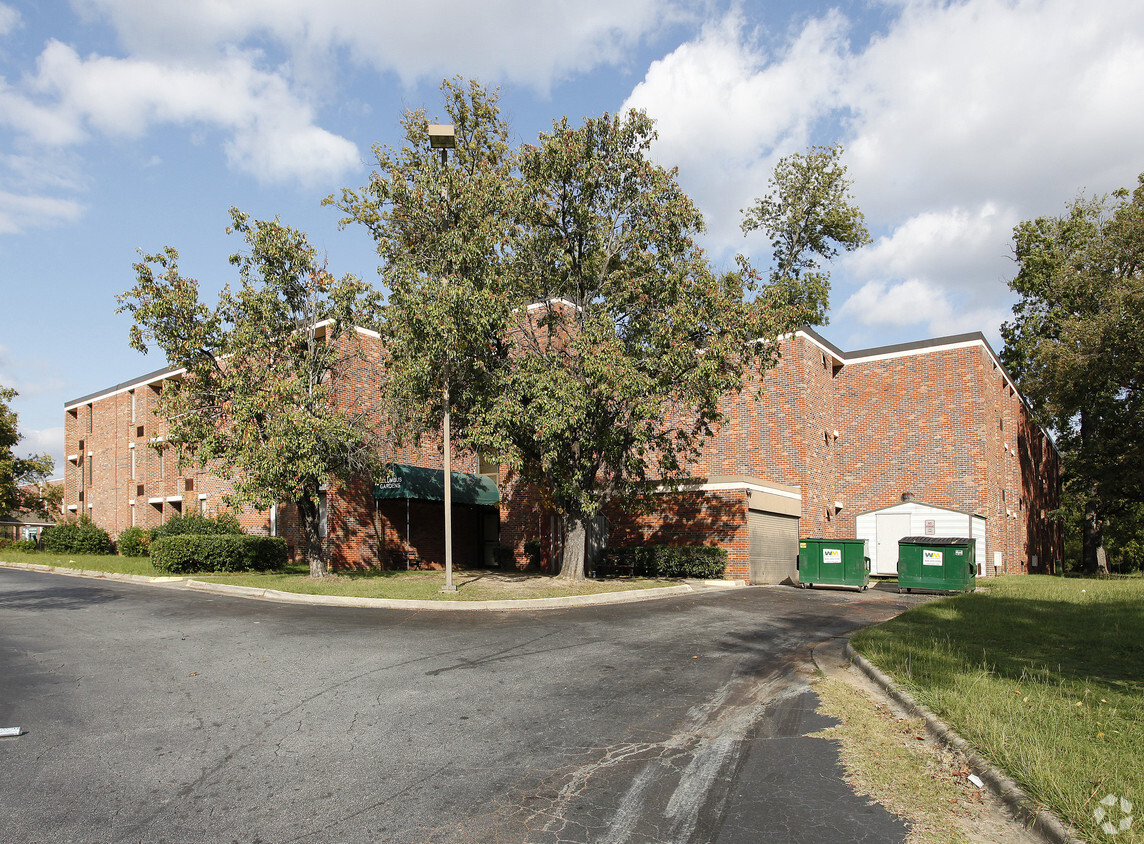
{"points": [[1076, 346], [257, 404], [809, 216], [616, 377], [443, 229], [17, 471]]}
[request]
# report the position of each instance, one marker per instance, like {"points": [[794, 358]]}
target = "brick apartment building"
{"points": [[918, 438]]}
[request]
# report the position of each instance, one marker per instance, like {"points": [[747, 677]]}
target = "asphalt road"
{"points": [[157, 715]]}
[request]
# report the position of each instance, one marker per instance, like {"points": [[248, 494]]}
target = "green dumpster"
{"points": [[944, 563], [833, 562]]}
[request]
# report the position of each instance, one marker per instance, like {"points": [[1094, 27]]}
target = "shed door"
{"points": [[774, 547], [891, 528]]}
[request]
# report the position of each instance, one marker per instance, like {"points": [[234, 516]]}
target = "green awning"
{"points": [[422, 484]]}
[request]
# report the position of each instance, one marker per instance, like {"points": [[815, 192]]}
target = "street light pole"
{"points": [[443, 137]]}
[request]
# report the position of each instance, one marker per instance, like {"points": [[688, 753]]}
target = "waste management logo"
{"points": [[1114, 814]]}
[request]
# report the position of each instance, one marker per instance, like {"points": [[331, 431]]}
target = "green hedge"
{"points": [[196, 523], [190, 553], [704, 562], [133, 542], [76, 536]]}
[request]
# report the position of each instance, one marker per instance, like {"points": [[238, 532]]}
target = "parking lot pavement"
{"points": [[160, 715]]}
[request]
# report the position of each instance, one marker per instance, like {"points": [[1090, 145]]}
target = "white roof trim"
{"points": [[166, 376], [730, 485]]}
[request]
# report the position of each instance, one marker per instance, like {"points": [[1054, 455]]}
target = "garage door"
{"points": [[774, 547]]}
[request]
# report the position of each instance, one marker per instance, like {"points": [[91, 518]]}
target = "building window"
{"points": [[273, 519], [132, 394], [132, 464], [323, 521]]}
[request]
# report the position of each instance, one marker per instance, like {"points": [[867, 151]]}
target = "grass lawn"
{"points": [[475, 585], [1045, 676]]}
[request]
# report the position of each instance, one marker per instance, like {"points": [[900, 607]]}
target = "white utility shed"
{"points": [[882, 528]]}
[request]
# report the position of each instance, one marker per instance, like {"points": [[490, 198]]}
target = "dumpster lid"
{"points": [[936, 540]]}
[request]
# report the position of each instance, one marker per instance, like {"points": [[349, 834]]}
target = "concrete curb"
{"points": [[1040, 820], [599, 599]]}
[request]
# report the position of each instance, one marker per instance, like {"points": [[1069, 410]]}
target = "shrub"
{"points": [[76, 536], [5, 542], [198, 524], [504, 556], [535, 550], [704, 562], [189, 553], [24, 546], [133, 542]]}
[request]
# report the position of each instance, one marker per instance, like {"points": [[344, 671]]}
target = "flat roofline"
{"points": [[157, 375], [972, 338]]}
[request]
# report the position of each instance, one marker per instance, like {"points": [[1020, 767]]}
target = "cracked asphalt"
{"points": [[157, 715]]}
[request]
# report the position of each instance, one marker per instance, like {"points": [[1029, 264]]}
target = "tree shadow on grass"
{"points": [[1016, 637]]}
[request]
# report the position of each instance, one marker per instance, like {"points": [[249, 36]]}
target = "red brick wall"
{"points": [[941, 424]]}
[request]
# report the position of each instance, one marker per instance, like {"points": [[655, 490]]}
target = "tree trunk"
{"points": [[1093, 552], [585, 541], [575, 536], [311, 527]]}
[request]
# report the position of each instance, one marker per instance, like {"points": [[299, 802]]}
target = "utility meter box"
{"points": [[939, 563], [833, 562]]}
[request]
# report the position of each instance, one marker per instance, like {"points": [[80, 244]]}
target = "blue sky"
{"points": [[130, 124]]}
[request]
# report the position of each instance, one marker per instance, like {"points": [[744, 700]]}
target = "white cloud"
{"points": [[726, 112], [20, 212], [49, 440], [527, 42], [881, 303], [1014, 101], [959, 119], [954, 247], [9, 19], [272, 131]]}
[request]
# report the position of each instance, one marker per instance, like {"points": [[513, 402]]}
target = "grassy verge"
{"points": [[889, 760], [476, 585], [1046, 677], [88, 562]]}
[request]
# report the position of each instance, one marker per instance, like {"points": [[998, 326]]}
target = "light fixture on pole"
{"points": [[444, 138]]}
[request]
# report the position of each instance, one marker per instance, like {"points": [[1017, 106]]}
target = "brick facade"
{"points": [[938, 422]]}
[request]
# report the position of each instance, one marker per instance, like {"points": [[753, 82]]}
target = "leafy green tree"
{"points": [[586, 340], [17, 471], [256, 404], [443, 228], [809, 216], [1076, 346], [615, 377]]}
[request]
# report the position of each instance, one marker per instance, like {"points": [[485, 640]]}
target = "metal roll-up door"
{"points": [[774, 547]]}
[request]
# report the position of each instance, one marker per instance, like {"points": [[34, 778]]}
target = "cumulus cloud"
{"points": [[527, 42], [726, 110], [959, 120], [273, 134], [881, 303]]}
